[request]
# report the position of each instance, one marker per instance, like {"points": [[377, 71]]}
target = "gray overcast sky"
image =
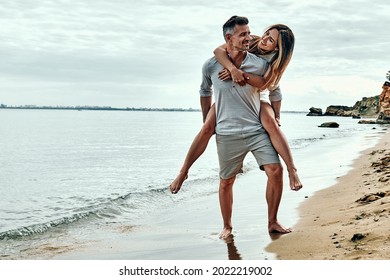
{"points": [[149, 53]]}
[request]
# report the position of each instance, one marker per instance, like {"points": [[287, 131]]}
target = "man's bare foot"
{"points": [[278, 228], [176, 184], [225, 233], [295, 182]]}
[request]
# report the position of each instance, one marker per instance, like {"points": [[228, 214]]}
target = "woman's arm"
{"points": [[223, 58], [237, 75], [255, 80]]}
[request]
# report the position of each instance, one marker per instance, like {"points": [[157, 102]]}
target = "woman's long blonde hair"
{"points": [[282, 57]]}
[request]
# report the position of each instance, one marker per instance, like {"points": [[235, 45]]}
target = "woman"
{"points": [[276, 46]]}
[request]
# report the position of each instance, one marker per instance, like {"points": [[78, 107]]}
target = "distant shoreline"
{"points": [[97, 108]]}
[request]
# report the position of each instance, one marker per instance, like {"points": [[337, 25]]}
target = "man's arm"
{"points": [[205, 91], [275, 96], [205, 103]]}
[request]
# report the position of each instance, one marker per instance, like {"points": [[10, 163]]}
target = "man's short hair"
{"points": [[230, 25]]}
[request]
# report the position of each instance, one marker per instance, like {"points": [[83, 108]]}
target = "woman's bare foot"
{"points": [[295, 182], [225, 233], [176, 184], [278, 228]]}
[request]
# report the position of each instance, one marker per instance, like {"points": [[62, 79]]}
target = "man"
{"points": [[238, 128]]}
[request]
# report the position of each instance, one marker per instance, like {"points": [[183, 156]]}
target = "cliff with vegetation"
{"points": [[367, 107], [370, 107]]}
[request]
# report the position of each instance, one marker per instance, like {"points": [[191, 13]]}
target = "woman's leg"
{"points": [[197, 148], [279, 141]]}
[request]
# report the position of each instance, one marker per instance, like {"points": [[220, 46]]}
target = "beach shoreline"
{"points": [[349, 220]]}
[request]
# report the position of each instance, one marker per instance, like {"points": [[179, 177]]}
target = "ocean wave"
{"points": [[42, 228], [110, 208], [134, 204], [304, 142]]}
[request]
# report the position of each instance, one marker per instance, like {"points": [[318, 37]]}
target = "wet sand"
{"points": [[348, 221]]}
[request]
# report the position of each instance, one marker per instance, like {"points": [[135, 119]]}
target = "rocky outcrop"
{"points": [[337, 110], [315, 112], [368, 106], [329, 124]]}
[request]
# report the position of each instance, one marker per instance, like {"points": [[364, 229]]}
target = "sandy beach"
{"points": [[348, 221]]}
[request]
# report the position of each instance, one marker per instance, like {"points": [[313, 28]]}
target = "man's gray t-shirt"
{"points": [[237, 108]]}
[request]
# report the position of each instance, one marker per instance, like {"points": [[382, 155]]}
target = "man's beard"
{"points": [[242, 48]]}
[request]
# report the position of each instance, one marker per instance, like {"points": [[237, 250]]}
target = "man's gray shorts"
{"points": [[232, 150]]}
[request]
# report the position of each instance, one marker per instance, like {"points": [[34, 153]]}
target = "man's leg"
{"points": [[226, 204], [274, 195], [232, 150]]}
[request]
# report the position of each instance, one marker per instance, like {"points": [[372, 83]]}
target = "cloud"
{"points": [[151, 53]]}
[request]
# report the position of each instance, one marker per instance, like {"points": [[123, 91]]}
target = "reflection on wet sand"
{"points": [[275, 235], [232, 249]]}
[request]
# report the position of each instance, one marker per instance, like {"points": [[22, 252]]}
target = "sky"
{"points": [[149, 53]]}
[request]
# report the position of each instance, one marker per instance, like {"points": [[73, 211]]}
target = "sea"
{"points": [[66, 172]]}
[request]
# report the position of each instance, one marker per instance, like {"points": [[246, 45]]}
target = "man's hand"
{"points": [[276, 105], [277, 119], [224, 75]]}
